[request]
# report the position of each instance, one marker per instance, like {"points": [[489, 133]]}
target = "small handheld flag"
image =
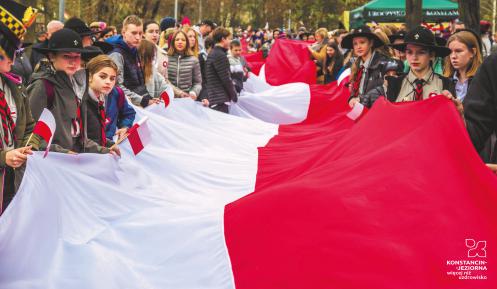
{"points": [[45, 128]]}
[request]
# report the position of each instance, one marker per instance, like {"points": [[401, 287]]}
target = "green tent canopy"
{"points": [[395, 11]]}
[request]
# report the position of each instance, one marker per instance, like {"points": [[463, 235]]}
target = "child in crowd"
{"points": [[238, 65]]}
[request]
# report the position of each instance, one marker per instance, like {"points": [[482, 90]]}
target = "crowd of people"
{"points": [[91, 77]]}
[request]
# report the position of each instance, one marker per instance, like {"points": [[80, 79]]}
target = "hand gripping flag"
{"points": [[139, 135], [357, 112], [45, 128]]}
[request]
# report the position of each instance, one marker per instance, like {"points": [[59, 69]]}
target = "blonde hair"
{"points": [[132, 19], [323, 32], [195, 49], [385, 29], [468, 39]]}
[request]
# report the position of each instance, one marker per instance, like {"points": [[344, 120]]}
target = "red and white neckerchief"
{"points": [[102, 117]]}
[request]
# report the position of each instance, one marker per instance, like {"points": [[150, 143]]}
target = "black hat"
{"points": [[94, 51], [79, 26], [422, 36], [363, 31], [104, 46], [399, 35], [65, 40], [14, 21]]}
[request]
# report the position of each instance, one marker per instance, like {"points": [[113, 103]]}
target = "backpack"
{"points": [[50, 93]]}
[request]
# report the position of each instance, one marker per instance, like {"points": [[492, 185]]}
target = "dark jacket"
{"points": [[22, 67], [220, 88], [64, 110], [93, 129], [130, 78], [202, 58], [36, 56], [480, 103], [369, 98], [395, 83], [374, 73], [118, 112]]}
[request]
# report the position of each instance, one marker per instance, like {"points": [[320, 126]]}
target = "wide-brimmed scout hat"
{"points": [[363, 31], [422, 36], [65, 40]]}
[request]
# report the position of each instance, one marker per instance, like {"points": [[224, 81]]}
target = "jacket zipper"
{"points": [[177, 72]]}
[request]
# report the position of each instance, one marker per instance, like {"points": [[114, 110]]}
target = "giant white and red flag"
{"points": [[399, 199]]}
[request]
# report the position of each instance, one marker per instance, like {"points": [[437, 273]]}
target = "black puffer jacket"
{"points": [[220, 88], [374, 73]]}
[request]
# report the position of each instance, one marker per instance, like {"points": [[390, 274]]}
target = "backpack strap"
{"points": [[50, 93]]}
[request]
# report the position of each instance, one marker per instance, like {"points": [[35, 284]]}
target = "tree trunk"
{"points": [[414, 12], [469, 13], [155, 9]]}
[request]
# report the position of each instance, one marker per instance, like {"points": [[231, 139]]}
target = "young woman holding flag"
{"points": [[367, 70], [57, 90], [109, 112]]}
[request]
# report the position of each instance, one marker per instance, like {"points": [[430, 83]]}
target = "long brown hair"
{"points": [[146, 52], [172, 49], [195, 49], [468, 39]]}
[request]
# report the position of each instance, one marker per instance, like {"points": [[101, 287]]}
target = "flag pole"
{"points": [[29, 139], [120, 140]]}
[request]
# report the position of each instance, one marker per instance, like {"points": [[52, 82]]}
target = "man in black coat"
{"points": [[480, 103], [220, 88]]}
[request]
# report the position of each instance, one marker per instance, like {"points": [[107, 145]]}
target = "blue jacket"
{"points": [[118, 111]]}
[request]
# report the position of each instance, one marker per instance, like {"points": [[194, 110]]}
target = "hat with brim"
{"points": [[92, 52], [80, 27], [64, 40], [422, 36], [365, 31], [399, 35], [104, 46]]}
